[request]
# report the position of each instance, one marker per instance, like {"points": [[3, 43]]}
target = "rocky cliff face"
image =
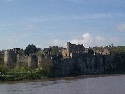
{"points": [[63, 68], [83, 64]]}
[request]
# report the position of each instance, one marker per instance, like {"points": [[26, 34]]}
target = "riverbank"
{"points": [[101, 84], [61, 78], [80, 77]]}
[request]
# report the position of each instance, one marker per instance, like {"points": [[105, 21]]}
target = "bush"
{"points": [[3, 68]]}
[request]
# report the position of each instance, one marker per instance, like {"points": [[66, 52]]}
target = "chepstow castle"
{"points": [[13, 57]]}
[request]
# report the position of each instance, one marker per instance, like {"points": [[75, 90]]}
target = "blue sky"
{"points": [[47, 23]]}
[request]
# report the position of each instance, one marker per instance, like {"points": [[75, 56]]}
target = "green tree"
{"points": [[90, 51], [1, 60], [119, 61], [55, 50], [46, 65], [30, 49], [3, 68]]}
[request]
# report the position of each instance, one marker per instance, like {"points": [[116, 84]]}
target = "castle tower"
{"points": [[33, 61], [40, 59], [10, 58], [73, 50], [68, 48]]}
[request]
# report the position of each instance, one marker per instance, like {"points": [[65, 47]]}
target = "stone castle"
{"points": [[73, 50], [13, 57]]}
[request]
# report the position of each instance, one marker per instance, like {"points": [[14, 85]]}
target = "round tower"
{"points": [[9, 58], [68, 48], [32, 61]]}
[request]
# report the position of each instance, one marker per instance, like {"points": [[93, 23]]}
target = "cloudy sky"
{"points": [[47, 23]]}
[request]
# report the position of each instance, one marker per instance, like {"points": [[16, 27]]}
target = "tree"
{"points": [[30, 49], [90, 51], [119, 61], [55, 50], [3, 68], [46, 65], [1, 59]]}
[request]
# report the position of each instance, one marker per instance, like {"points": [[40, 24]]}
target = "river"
{"points": [[96, 85]]}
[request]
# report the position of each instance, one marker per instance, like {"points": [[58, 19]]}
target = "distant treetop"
{"points": [[30, 49]]}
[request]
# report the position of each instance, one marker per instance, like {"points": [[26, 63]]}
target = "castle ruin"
{"points": [[73, 50], [15, 57]]}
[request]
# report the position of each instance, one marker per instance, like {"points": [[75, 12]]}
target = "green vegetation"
{"points": [[58, 66], [3, 69], [46, 64], [21, 73], [30, 49]]}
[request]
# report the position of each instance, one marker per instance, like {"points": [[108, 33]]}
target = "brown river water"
{"points": [[96, 85]]}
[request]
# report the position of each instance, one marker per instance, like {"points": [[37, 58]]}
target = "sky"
{"points": [[47, 23]]}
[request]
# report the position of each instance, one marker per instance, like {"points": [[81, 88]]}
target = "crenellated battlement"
{"points": [[13, 57]]}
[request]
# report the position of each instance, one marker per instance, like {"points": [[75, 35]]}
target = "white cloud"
{"points": [[31, 27], [121, 27], [53, 42], [77, 1], [71, 17], [98, 1], [9, 0], [12, 41], [90, 41], [57, 42]]}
